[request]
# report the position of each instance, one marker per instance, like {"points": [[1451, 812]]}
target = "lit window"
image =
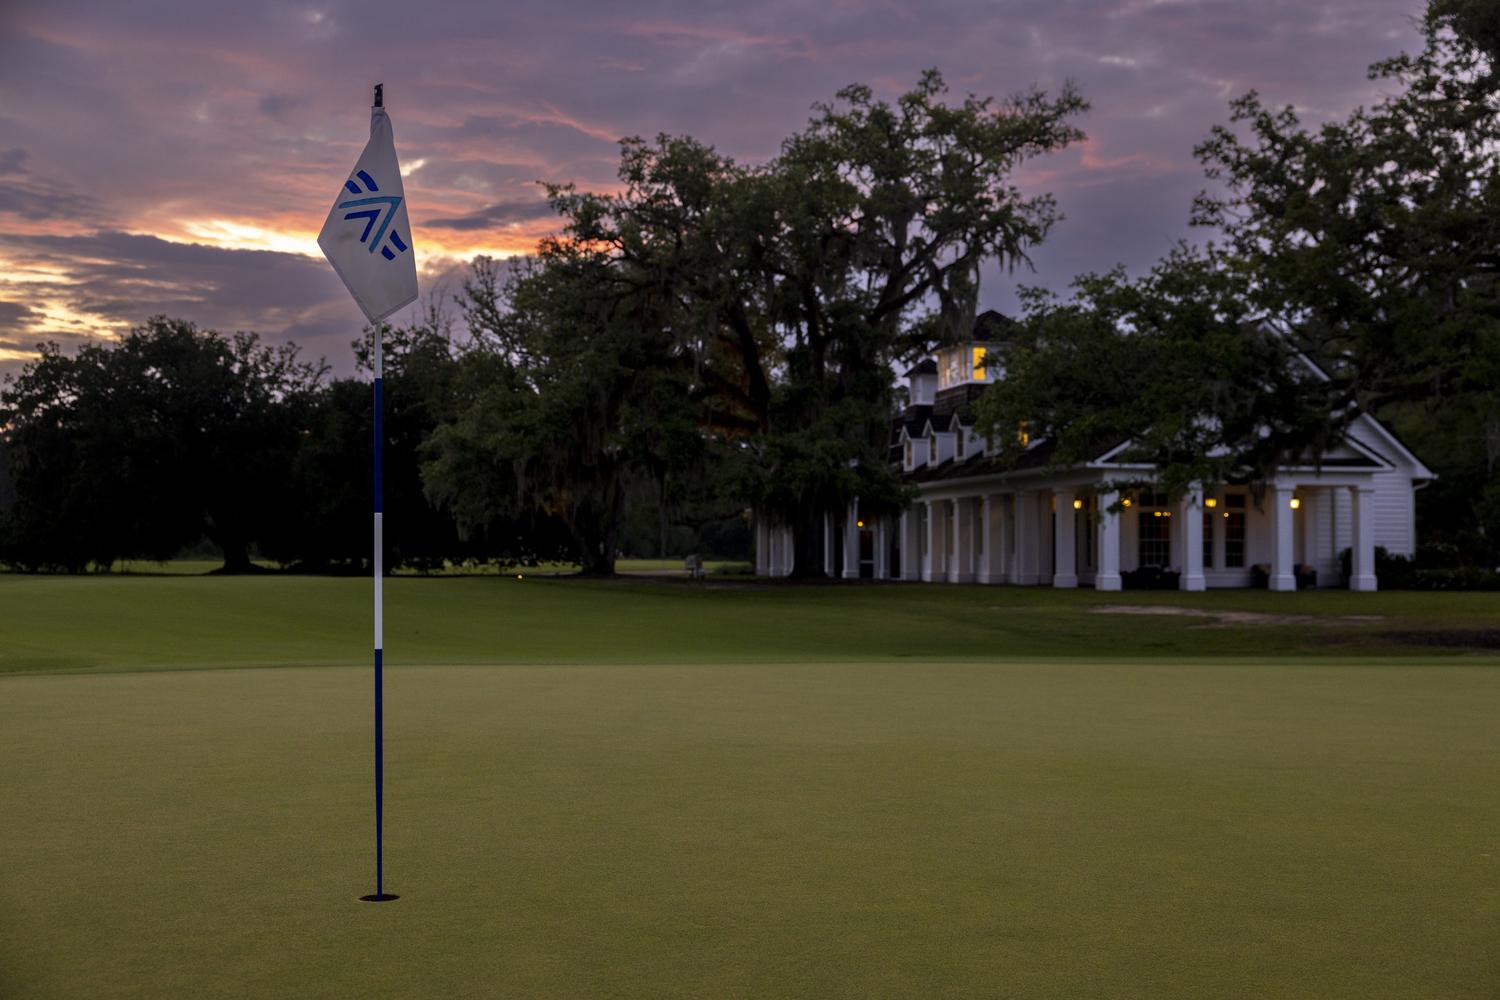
{"points": [[1023, 434], [979, 373]]}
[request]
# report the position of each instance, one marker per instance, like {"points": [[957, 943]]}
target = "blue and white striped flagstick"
{"points": [[379, 562], [373, 200]]}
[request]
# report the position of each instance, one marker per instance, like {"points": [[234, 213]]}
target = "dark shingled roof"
{"points": [[993, 327], [927, 366], [956, 398]]}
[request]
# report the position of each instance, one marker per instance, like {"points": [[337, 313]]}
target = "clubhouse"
{"points": [[975, 521]]}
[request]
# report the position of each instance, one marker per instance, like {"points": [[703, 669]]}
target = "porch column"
{"points": [[911, 545], [1064, 518], [932, 560], [1027, 542], [961, 549], [1108, 577], [851, 541], [1190, 511], [1362, 568], [882, 547], [1005, 569], [1281, 537], [986, 571], [762, 546], [828, 545]]}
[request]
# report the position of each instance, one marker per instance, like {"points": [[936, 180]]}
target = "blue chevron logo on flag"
{"points": [[382, 216]]}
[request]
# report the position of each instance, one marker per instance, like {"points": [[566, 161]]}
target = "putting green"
{"points": [[912, 829]]}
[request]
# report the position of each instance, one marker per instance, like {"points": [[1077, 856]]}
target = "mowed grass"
{"points": [[657, 790], [49, 624]]}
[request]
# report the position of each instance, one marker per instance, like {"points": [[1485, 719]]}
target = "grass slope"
{"points": [[122, 622]]}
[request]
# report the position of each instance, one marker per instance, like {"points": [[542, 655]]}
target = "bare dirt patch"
{"points": [[1233, 619]]}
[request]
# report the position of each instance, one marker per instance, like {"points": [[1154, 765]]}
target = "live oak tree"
{"points": [[800, 283], [569, 387], [1372, 244], [135, 449], [1173, 365]]}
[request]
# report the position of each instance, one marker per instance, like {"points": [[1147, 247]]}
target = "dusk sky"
{"points": [[179, 156]]}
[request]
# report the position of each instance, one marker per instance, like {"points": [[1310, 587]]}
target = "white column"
{"points": [[1281, 537], [883, 548], [987, 534], [1362, 567], [1027, 540], [851, 541], [1004, 535], [911, 566], [932, 557], [1190, 510], [762, 546], [1108, 577], [828, 545], [961, 552], [1065, 570]]}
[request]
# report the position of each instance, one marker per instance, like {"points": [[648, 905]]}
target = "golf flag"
{"points": [[367, 238]]}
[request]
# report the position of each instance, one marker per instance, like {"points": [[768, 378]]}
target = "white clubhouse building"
{"points": [[976, 522]]}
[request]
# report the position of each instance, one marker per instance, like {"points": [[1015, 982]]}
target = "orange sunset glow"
{"points": [[181, 160]]}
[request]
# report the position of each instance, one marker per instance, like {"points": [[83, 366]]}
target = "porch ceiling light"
{"points": [[859, 524], [1078, 505], [1296, 502], [1210, 501]]}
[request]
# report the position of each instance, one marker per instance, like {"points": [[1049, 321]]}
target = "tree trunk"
{"points": [[807, 546]]}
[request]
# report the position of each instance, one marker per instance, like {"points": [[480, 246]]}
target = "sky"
{"points": [[178, 157]]}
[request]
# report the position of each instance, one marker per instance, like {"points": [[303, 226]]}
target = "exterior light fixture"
{"points": [[1125, 502], [1296, 502], [1078, 505], [859, 524], [1156, 513], [1210, 501]]}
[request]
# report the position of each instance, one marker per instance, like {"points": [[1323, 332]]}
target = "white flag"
{"points": [[367, 238]]}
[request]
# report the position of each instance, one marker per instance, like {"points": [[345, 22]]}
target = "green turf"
{"points": [[822, 830], [657, 790], [122, 622]]}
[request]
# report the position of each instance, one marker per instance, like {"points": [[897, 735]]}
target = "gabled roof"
{"points": [[927, 366], [991, 326]]}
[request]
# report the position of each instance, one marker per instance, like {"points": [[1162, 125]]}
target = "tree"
{"points": [[1173, 365], [135, 449], [800, 284], [568, 388], [1371, 245]]}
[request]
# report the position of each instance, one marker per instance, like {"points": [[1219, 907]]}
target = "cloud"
{"points": [[499, 214], [82, 286]]}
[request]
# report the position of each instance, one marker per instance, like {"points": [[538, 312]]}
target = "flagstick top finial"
{"points": [[380, 95]]}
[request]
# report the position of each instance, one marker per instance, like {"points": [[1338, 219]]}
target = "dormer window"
{"points": [[932, 448], [908, 453], [958, 444]]}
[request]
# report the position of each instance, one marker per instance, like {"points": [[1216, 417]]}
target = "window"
{"points": [[979, 372], [1023, 434], [932, 452], [1208, 539], [1154, 539], [908, 453], [958, 444], [1234, 531]]}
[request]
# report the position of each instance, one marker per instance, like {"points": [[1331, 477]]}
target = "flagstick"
{"points": [[380, 895]]}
